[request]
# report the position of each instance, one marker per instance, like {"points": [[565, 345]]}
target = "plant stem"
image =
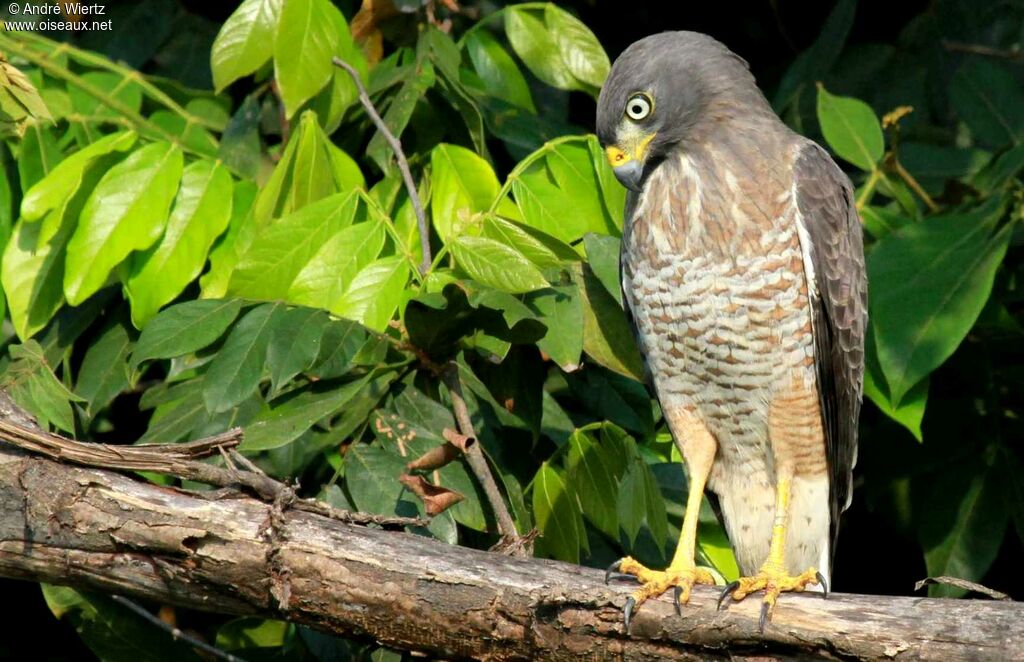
{"points": [[176, 634], [914, 185], [403, 163], [869, 188], [475, 456], [100, 62]]}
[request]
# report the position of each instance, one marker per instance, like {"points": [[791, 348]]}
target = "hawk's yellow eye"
{"points": [[638, 107]]}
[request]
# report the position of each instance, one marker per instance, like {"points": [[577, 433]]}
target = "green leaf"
{"points": [[1000, 170], [934, 165], [251, 633], [612, 191], [989, 100], [371, 476], [595, 471], [63, 180], [462, 184], [374, 293], [308, 34], [929, 282], [245, 41], [33, 268], [225, 253], [909, 412], [496, 265], [879, 221], [295, 344], [339, 347], [200, 214], [607, 337], [32, 275], [279, 253], [603, 258], [851, 128], [580, 50], [126, 211], [236, 370], [559, 190], [418, 79], [640, 503], [191, 136], [104, 372], [110, 86], [561, 311], [30, 382], [38, 154], [112, 632], [541, 249], [966, 546], [240, 143], [183, 328], [557, 516], [497, 70], [285, 422], [328, 274], [534, 43]]}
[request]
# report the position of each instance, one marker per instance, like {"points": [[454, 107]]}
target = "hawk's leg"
{"points": [[698, 447], [773, 577]]}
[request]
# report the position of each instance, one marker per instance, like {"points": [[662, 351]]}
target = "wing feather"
{"points": [[835, 244]]}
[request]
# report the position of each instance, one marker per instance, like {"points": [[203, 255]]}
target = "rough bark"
{"points": [[97, 529]]}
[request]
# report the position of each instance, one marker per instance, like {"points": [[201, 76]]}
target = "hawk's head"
{"points": [[658, 90]]}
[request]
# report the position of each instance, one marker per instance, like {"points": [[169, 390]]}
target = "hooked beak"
{"points": [[627, 161], [629, 174]]}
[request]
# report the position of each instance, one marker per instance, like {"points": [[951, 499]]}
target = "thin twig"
{"points": [[914, 185], [403, 163], [175, 633], [179, 460], [964, 584], [477, 461], [1014, 54]]}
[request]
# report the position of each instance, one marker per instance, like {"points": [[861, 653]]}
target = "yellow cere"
{"points": [[635, 150]]}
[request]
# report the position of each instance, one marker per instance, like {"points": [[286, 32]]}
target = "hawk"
{"points": [[743, 274]]}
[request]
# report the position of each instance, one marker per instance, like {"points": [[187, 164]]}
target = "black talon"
{"points": [[764, 616], [732, 586], [677, 594], [612, 568], [627, 611], [824, 586]]}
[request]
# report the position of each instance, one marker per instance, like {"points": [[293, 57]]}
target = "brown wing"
{"points": [[832, 235]]}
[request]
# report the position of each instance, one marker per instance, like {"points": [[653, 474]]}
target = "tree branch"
{"points": [[99, 530], [403, 163]]}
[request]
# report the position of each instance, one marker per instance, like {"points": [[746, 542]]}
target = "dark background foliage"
{"points": [[959, 487]]}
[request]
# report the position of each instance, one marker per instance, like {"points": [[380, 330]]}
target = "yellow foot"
{"points": [[656, 582], [773, 580]]}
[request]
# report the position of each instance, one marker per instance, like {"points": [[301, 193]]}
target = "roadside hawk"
{"points": [[743, 274]]}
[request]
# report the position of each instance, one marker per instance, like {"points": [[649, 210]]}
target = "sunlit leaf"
{"points": [[557, 516], [126, 211], [496, 265], [200, 214], [245, 41], [462, 184], [851, 128]]}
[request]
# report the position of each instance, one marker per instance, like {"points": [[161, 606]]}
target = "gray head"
{"points": [[660, 90]]}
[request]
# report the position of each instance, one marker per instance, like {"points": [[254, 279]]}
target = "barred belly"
{"points": [[724, 337], [720, 336]]}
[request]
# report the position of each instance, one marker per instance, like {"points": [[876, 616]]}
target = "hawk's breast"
{"points": [[714, 274]]}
